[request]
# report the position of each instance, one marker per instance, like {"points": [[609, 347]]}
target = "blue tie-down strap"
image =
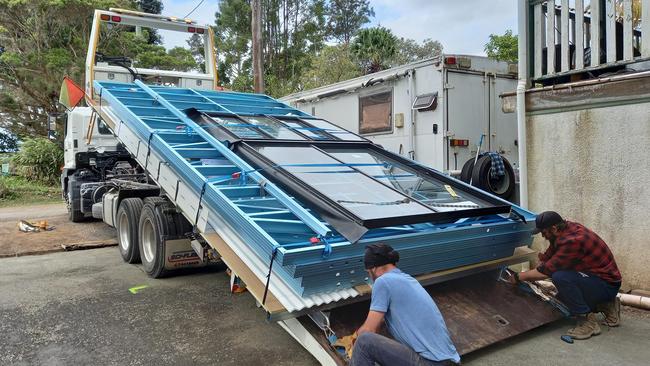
{"points": [[327, 247], [498, 168]]}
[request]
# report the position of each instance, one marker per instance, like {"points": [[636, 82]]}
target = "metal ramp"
{"points": [[211, 154]]}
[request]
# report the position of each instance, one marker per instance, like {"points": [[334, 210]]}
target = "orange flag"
{"points": [[71, 94]]}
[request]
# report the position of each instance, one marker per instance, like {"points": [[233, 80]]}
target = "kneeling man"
{"points": [[413, 319]]}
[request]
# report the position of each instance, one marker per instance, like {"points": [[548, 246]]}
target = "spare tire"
{"points": [[503, 186], [466, 172]]}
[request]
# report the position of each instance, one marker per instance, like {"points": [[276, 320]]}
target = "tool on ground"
{"points": [[27, 227], [478, 151], [134, 290], [345, 345], [237, 286], [567, 339]]}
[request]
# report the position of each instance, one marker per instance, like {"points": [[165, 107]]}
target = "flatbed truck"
{"points": [[139, 158]]}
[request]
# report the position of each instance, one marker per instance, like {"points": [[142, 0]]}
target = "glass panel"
{"points": [[238, 127], [274, 128], [334, 130], [361, 195], [309, 131], [433, 193]]}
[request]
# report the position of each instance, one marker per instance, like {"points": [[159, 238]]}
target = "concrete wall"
{"points": [[593, 167]]}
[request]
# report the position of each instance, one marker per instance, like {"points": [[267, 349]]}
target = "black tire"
{"points": [[74, 200], [466, 172], [158, 220], [502, 187], [127, 222]]}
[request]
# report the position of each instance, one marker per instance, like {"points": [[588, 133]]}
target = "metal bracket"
{"points": [[322, 320]]}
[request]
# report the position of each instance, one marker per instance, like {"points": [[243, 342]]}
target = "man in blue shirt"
{"points": [[413, 319]]}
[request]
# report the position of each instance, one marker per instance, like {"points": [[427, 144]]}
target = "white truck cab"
{"points": [[79, 139]]}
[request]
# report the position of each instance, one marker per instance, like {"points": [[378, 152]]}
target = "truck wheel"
{"points": [[502, 186], [159, 221], [466, 172], [74, 200], [126, 223]]}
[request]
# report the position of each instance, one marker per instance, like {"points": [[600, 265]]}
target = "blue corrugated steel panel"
{"points": [[267, 218]]}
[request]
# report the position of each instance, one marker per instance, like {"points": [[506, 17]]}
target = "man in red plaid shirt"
{"points": [[582, 269]]}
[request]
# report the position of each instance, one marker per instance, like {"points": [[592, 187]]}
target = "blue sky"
{"points": [[463, 26]]}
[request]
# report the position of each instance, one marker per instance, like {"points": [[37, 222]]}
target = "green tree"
{"points": [[409, 50], [374, 48], [346, 17], [42, 41], [232, 38], [502, 48], [331, 65], [151, 7], [292, 32], [196, 47], [39, 159]]}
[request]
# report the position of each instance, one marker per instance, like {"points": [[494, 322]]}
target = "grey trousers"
{"points": [[372, 348]]}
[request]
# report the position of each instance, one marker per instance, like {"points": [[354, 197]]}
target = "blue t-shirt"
{"points": [[412, 316]]}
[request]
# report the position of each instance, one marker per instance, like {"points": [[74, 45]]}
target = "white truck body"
{"points": [[466, 88]]}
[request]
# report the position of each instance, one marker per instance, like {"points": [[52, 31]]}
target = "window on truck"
{"points": [[376, 112], [102, 128]]}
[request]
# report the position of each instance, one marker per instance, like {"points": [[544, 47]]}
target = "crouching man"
{"points": [[582, 269], [413, 319]]}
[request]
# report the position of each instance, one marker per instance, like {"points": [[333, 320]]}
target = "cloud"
{"points": [[462, 26]]}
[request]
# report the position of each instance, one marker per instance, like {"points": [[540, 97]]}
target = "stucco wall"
{"points": [[593, 167]]}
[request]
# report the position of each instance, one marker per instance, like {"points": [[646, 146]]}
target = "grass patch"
{"points": [[18, 191]]}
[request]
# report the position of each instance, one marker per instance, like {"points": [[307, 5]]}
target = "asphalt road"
{"points": [[75, 308]]}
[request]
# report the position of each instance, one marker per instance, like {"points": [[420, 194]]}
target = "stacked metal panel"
{"points": [[310, 256]]}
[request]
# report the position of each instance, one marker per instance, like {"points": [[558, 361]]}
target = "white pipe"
{"points": [[521, 101], [411, 115], [640, 302]]}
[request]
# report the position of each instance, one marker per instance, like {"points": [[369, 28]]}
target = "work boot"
{"points": [[587, 327], [612, 312]]}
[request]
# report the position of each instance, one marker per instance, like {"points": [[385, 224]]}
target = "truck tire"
{"points": [[126, 223], [74, 200], [466, 172], [502, 187], [159, 221]]}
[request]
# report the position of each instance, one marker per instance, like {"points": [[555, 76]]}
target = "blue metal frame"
{"points": [[311, 256]]}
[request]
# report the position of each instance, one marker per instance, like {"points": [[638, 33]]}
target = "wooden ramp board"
{"points": [[478, 311]]}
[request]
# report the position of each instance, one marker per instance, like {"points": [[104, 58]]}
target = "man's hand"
{"points": [[373, 322], [532, 275], [513, 278]]}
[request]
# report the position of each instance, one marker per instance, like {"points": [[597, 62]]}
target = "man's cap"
{"points": [[377, 255], [545, 220]]}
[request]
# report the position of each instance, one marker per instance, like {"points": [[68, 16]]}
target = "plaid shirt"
{"points": [[580, 249]]}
